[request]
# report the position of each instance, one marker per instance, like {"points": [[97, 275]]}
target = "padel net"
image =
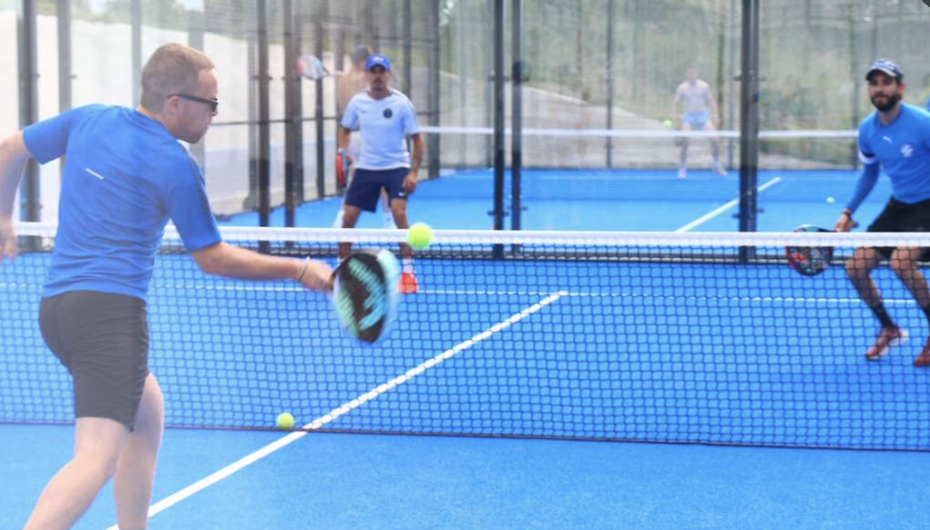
{"points": [[655, 337]]}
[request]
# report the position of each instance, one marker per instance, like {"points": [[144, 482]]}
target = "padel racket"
{"points": [[365, 294], [311, 67], [809, 261], [342, 170]]}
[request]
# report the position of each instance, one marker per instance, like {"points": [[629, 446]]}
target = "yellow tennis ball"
{"points": [[667, 124], [830, 200], [419, 236], [285, 420]]}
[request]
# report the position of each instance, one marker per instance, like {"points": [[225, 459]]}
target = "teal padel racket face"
{"points": [[809, 261], [365, 294]]}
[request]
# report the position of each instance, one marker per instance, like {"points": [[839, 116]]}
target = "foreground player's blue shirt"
{"points": [[384, 125], [124, 177], [901, 149]]}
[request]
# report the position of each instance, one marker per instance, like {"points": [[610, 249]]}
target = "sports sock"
{"points": [[883, 317]]}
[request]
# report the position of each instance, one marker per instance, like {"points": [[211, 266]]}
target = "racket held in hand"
{"points": [[365, 294], [809, 261], [342, 170]]}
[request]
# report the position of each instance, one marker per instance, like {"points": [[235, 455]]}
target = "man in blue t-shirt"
{"points": [[896, 139], [384, 118], [124, 177]]}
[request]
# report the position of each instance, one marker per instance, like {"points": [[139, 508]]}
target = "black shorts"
{"points": [[103, 341], [900, 216], [366, 185]]}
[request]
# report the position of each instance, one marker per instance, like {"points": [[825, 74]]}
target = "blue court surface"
{"points": [[630, 200], [663, 390]]}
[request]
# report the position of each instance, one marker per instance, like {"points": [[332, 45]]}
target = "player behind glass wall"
{"points": [[698, 112]]}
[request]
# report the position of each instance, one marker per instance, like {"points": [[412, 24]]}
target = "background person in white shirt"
{"points": [[384, 119], [348, 84]]}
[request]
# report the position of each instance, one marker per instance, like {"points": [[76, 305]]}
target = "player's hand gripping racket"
{"points": [[809, 261], [365, 294]]}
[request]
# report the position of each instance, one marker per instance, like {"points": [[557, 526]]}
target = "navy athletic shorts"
{"points": [[366, 186], [900, 216]]}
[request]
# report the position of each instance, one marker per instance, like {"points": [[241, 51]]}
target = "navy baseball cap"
{"points": [[378, 59], [886, 67]]}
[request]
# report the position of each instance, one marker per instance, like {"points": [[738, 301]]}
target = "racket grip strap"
{"points": [[303, 270]]}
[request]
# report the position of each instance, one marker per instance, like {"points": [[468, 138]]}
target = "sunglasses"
{"points": [[214, 103]]}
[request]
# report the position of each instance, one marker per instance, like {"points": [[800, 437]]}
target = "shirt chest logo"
{"points": [[387, 113], [907, 150]]}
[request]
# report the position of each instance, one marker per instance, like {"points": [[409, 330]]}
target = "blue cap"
{"points": [[377, 59], [886, 67]]}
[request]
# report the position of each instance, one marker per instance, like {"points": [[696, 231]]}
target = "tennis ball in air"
{"points": [[419, 236], [830, 200], [667, 124], [285, 420]]}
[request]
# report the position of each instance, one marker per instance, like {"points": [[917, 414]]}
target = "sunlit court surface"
{"points": [[616, 324]]}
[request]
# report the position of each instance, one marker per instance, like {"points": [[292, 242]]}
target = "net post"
{"points": [[319, 28], [27, 30], [293, 167], [433, 89], [611, 81], [264, 115], [749, 124], [498, 115], [516, 101]]}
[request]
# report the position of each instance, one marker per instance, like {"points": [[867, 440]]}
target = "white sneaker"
{"points": [[682, 173]]}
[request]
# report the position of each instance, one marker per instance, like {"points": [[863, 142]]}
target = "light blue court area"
{"points": [[618, 200], [339, 481]]}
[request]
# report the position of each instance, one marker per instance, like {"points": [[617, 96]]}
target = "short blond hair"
{"points": [[172, 69]]}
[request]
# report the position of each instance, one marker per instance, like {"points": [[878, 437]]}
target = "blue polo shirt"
{"points": [[901, 149], [384, 125], [124, 177]]}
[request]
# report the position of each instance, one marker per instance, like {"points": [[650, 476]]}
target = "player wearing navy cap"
{"points": [[384, 118], [894, 139], [348, 84]]}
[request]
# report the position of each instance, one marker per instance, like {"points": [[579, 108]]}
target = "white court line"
{"points": [[707, 217], [238, 465]]}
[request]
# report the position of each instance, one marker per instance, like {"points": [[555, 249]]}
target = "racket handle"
{"points": [[342, 168]]}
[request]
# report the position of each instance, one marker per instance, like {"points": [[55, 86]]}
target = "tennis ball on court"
{"points": [[667, 124], [419, 236], [285, 420], [830, 200]]}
